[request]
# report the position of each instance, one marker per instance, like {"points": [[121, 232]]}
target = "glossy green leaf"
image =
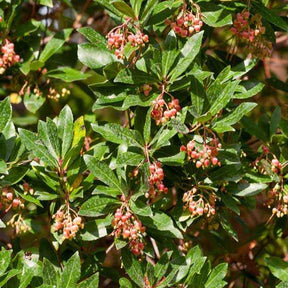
{"points": [[94, 56], [54, 44], [71, 272], [249, 189], [102, 172], [5, 259], [5, 112], [278, 267], [124, 8], [187, 55], [118, 134], [65, 129], [133, 267], [97, 206]]}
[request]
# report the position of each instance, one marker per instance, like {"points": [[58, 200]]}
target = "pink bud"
{"points": [[16, 203], [198, 164]]}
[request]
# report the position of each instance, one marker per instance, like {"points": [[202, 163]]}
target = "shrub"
{"points": [[140, 159]]}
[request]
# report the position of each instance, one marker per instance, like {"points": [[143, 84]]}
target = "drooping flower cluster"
{"points": [[278, 199], [249, 28], [155, 180], [127, 226], [162, 111], [265, 158], [187, 23], [67, 222], [197, 204], [120, 36], [8, 57], [9, 199], [205, 155], [56, 95]]}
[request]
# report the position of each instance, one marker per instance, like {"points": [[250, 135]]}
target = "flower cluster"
{"points": [[146, 88], [127, 226], [162, 111], [120, 36], [55, 95], [27, 189], [9, 199], [249, 28], [276, 166], [197, 204], [205, 156], [279, 200], [155, 180], [186, 23], [67, 222], [18, 223], [8, 57]]}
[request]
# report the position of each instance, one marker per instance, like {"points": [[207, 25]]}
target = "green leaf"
{"points": [[53, 136], [118, 134], [102, 172], [54, 44], [148, 9], [124, 8], [249, 189], [71, 272], [216, 276], [187, 55], [65, 129], [227, 226], [269, 15], [162, 222], [133, 267], [45, 139], [147, 126], [97, 206], [125, 283], [248, 89], [174, 160], [94, 56], [15, 175], [5, 112], [94, 230], [5, 259], [275, 120], [140, 208], [33, 102], [252, 128], [48, 3], [136, 6], [27, 28], [282, 285], [278, 267], [135, 76], [67, 74], [170, 52], [234, 117], [130, 158], [49, 273], [215, 15], [9, 275], [32, 143], [91, 282], [224, 98], [92, 35]]}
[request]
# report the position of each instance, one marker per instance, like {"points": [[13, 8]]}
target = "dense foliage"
{"points": [[143, 143]]}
